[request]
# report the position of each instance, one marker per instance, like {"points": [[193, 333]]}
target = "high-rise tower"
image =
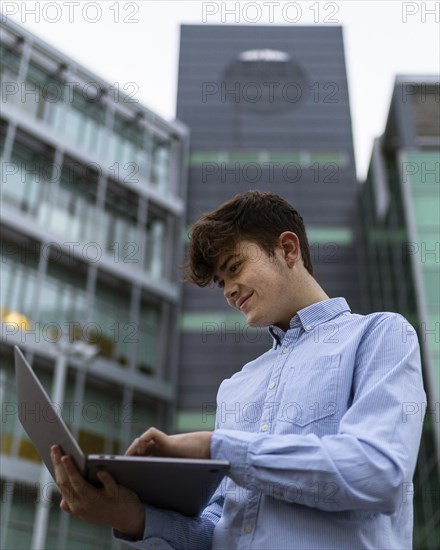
{"points": [[267, 108]]}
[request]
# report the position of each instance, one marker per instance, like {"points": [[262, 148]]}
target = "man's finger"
{"points": [[110, 485], [60, 473], [64, 505], [151, 440], [133, 449], [75, 486], [141, 446]]}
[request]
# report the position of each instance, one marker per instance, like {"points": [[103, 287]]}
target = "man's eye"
{"points": [[235, 267]]}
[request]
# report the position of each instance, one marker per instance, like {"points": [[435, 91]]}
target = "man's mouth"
{"points": [[245, 299]]}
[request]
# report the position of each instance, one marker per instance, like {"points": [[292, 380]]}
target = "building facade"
{"points": [[398, 226], [92, 208], [267, 108]]}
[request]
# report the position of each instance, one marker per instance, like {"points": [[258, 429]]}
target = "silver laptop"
{"points": [[180, 484]]}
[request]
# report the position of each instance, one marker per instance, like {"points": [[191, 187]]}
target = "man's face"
{"points": [[257, 284]]}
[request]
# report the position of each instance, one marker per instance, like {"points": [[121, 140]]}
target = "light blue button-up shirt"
{"points": [[322, 436]]}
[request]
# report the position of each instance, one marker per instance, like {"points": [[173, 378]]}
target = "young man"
{"points": [[326, 456]]}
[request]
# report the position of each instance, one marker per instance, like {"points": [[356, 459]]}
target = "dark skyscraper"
{"points": [[267, 108]]}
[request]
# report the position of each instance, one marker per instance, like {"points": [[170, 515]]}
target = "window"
{"points": [[156, 245], [63, 297], [118, 232], [18, 282], [148, 336], [126, 149], [160, 169], [74, 205], [115, 334], [25, 182], [9, 68], [85, 122]]}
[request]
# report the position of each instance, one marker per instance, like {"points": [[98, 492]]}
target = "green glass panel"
{"points": [[387, 235], [431, 279], [154, 256], [243, 157], [422, 170], [322, 158], [430, 333], [61, 274], [6, 96], [20, 187], [72, 124], [435, 360], [199, 157], [9, 58], [428, 246], [283, 157], [338, 235], [195, 421], [210, 320], [128, 130], [426, 210], [53, 114], [113, 329], [31, 102], [148, 348], [37, 75], [160, 167], [432, 330], [8, 395], [18, 283]]}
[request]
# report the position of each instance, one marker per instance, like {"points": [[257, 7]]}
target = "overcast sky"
{"points": [[138, 42]]}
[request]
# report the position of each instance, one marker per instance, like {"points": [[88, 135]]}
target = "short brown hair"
{"points": [[257, 216]]}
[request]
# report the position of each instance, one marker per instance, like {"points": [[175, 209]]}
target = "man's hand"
{"points": [[112, 505], [153, 442]]}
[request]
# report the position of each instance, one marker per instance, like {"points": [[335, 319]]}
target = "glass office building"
{"points": [[398, 226], [92, 204]]}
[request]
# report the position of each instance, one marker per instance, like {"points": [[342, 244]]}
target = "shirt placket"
{"points": [[284, 352]]}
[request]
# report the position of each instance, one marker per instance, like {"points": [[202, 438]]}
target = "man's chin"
{"points": [[258, 323]]}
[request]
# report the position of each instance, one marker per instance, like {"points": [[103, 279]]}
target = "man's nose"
{"points": [[230, 290]]}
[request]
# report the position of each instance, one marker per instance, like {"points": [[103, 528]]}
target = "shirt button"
{"points": [[271, 385], [309, 327], [278, 494], [247, 528], [286, 350], [264, 428]]}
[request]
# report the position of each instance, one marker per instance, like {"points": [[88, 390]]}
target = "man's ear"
{"points": [[289, 243]]}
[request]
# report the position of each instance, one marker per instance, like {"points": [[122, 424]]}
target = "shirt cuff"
{"points": [[232, 446], [155, 528]]}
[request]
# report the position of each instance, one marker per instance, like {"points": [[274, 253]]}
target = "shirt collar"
{"points": [[310, 316]]}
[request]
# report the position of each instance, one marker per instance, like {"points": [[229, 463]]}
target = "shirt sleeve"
{"points": [[369, 463], [165, 530]]}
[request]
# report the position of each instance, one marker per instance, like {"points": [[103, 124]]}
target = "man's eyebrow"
{"points": [[228, 259], [225, 265]]}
